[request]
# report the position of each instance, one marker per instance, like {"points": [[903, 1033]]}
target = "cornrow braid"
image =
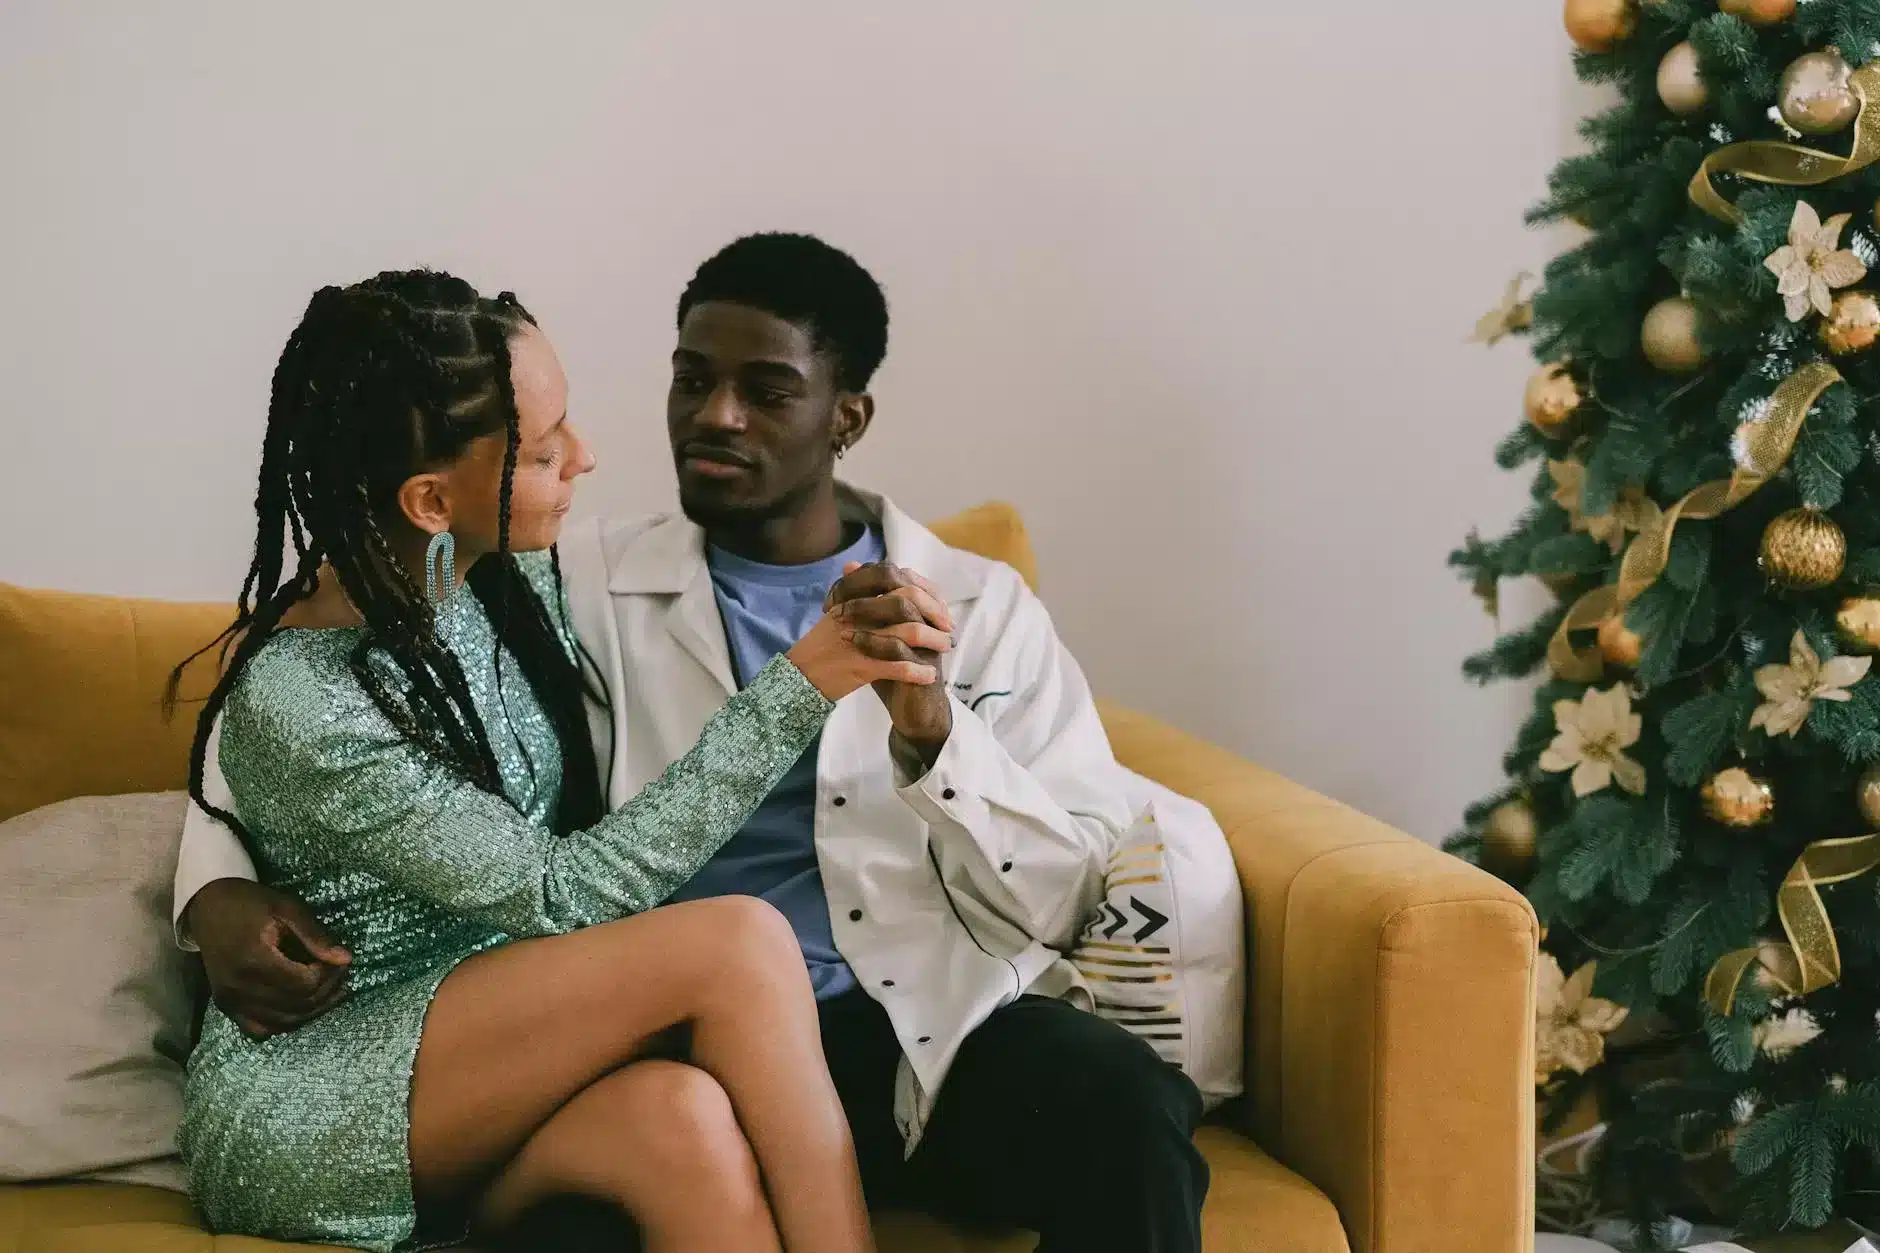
{"points": [[379, 381]]}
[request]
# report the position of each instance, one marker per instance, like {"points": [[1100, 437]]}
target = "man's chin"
{"points": [[710, 504]]}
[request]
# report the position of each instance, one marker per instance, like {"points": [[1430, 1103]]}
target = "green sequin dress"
{"points": [[305, 1136]]}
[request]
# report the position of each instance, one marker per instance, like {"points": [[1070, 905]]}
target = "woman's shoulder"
{"points": [[296, 689]]}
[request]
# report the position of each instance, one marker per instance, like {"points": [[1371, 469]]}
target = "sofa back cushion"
{"points": [[81, 689], [98, 998], [81, 678]]}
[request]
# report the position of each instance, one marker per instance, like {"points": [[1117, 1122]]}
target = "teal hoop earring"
{"points": [[440, 567]]}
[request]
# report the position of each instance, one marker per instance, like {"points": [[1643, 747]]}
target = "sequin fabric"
{"points": [[304, 1136]]}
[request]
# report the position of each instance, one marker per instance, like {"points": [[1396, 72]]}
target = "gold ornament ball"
{"points": [[1560, 585], [1852, 324], [1739, 799], [1867, 794], [1551, 398], [1596, 25], [1680, 86], [1618, 643], [1814, 96], [1857, 622], [1508, 841], [1803, 549], [1759, 12], [1670, 336]]}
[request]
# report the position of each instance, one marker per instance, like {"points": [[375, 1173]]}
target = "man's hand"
{"points": [[271, 965], [871, 598]]}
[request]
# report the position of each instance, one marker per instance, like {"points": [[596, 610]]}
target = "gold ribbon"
{"points": [[1812, 958], [1791, 165], [1765, 446]]}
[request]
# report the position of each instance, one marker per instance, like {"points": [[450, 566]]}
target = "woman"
{"points": [[411, 757]]}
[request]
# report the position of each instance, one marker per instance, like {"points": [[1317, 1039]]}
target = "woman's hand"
{"points": [[839, 659]]}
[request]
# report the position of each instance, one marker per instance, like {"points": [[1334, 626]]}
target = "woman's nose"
{"points": [[582, 459]]}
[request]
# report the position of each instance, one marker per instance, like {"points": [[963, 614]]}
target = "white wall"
{"points": [[1188, 282]]}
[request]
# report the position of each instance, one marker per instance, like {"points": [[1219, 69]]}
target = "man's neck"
{"points": [[796, 538]]}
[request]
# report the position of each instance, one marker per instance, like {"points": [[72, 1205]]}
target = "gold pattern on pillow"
{"points": [[1128, 951]]}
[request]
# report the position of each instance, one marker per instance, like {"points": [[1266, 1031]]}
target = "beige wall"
{"points": [[1188, 282]]}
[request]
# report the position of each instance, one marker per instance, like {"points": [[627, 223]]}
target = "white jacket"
{"points": [[949, 895]]}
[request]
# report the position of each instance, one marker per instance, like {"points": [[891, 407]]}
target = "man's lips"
{"points": [[714, 463]]}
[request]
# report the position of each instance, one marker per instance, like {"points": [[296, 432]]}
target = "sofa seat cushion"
{"points": [[1254, 1204]]}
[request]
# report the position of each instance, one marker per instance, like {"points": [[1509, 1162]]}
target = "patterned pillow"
{"points": [[1164, 953]]}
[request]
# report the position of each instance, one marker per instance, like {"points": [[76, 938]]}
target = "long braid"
{"points": [[379, 381]]}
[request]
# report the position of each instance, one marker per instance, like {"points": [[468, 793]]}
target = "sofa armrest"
{"points": [[1390, 1005]]}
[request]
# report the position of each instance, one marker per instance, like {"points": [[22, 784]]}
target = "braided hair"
{"points": [[380, 381]]}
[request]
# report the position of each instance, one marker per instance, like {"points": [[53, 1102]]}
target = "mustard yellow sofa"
{"points": [[1389, 1010]]}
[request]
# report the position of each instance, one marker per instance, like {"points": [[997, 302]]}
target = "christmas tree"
{"points": [[1690, 804]]}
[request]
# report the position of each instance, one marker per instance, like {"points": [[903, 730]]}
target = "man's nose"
{"points": [[721, 410]]}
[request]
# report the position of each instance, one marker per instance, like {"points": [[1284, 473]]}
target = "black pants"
{"points": [[1051, 1119]]}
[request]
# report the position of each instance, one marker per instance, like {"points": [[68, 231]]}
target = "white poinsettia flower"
{"points": [[1594, 733], [1790, 692], [1778, 1036], [1570, 1023], [1634, 510], [1813, 263]]}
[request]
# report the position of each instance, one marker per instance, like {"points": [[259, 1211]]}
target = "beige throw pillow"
{"points": [[95, 999]]}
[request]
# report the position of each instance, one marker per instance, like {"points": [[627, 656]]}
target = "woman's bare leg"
{"points": [[515, 1033], [659, 1138]]}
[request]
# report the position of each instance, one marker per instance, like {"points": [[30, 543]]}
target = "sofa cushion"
{"points": [[99, 999], [1255, 1205], [81, 688]]}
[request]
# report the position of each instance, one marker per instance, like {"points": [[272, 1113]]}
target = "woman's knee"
{"points": [[753, 937], [658, 1138], [684, 1118]]}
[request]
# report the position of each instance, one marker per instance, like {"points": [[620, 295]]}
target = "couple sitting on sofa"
{"points": [[581, 875]]}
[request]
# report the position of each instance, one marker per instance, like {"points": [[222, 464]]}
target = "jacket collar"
{"points": [[668, 557]]}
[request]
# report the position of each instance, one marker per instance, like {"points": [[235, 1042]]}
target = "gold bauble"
{"points": [[1508, 838], [1852, 324], [1670, 336], [1596, 25], [1551, 398], [1737, 798], [1680, 86], [1867, 795], [1815, 97], [1560, 585], [1802, 549], [1759, 12], [1857, 622], [1618, 643]]}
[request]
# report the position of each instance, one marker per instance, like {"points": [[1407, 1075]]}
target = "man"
{"points": [[935, 852]]}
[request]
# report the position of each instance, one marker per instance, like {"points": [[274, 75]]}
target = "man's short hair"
{"points": [[802, 280]]}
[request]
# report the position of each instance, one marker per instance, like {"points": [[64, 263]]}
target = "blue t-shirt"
{"points": [[766, 609]]}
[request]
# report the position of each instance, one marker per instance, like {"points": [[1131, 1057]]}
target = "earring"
{"points": [[440, 566], [842, 451]]}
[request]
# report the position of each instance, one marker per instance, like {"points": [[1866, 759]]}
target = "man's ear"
{"points": [[854, 411], [423, 501]]}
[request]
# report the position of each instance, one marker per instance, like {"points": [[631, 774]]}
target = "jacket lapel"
{"points": [[694, 621], [667, 560]]}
